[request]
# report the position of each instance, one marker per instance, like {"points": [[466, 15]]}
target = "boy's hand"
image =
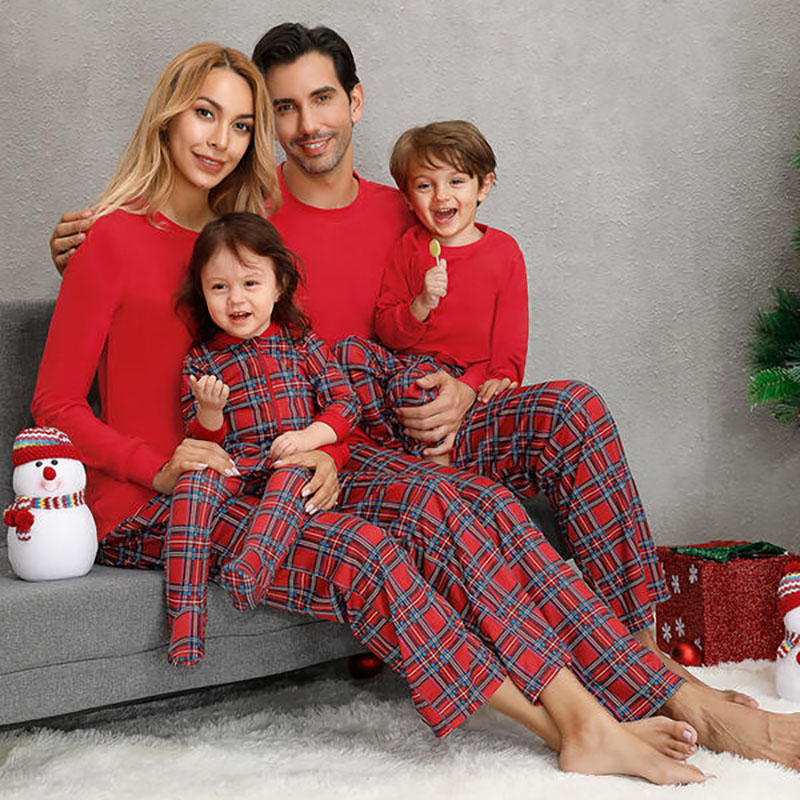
{"points": [[290, 443], [210, 392], [433, 290], [67, 235], [494, 386]]}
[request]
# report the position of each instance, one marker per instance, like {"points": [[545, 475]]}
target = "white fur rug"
{"points": [[322, 734]]}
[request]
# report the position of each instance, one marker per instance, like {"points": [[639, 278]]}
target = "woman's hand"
{"points": [[190, 455], [322, 490]]}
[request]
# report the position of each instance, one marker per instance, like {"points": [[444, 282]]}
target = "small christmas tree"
{"points": [[775, 351]]}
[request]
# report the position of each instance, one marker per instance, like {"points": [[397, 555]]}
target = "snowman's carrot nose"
{"points": [[49, 473]]}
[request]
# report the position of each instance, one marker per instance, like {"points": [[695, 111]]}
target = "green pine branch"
{"points": [[772, 385]]}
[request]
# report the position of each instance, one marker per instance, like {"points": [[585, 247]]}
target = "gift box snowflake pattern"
{"points": [[723, 600]]}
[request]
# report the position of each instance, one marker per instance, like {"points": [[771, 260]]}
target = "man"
{"points": [[561, 438]]}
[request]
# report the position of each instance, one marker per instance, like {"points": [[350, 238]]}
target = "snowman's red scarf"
{"points": [[23, 521], [790, 640]]}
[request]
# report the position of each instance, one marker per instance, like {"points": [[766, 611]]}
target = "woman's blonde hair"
{"points": [[146, 175]]}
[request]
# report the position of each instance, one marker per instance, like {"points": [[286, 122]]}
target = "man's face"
{"points": [[314, 117]]}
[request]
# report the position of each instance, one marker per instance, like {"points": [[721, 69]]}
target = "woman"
{"points": [[203, 148]]}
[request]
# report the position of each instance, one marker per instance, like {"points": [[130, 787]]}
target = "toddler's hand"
{"points": [[289, 443], [435, 287], [210, 392], [488, 389]]}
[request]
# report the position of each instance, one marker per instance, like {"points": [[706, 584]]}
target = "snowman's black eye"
{"points": [[38, 463], [54, 461]]}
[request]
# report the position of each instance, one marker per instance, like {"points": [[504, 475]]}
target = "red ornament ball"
{"points": [[365, 665], [688, 654]]}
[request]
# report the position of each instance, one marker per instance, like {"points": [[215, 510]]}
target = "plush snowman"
{"points": [[787, 668], [51, 531]]}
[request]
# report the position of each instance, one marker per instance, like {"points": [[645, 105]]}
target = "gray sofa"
{"points": [[100, 640]]}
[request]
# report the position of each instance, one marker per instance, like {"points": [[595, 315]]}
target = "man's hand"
{"points": [[191, 455], [322, 490], [442, 416], [67, 235], [494, 386], [434, 289]]}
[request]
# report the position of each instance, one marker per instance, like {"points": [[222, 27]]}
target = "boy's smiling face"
{"points": [[445, 201]]}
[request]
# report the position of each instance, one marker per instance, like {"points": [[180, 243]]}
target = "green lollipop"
{"points": [[435, 250]]}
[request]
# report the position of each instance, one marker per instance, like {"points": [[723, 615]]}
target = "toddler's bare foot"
{"points": [[607, 748], [729, 727], [443, 459], [670, 737], [730, 695]]}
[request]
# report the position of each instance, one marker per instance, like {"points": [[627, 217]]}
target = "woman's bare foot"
{"points": [[673, 738], [608, 748], [646, 638], [723, 726]]}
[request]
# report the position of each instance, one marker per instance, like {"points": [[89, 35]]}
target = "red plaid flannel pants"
{"points": [[464, 529], [453, 652], [557, 437]]}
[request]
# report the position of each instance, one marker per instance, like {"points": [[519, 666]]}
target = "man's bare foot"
{"points": [[723, 726], [672, 738], [607, 748], [646, 638]]}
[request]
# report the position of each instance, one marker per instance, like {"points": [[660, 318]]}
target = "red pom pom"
{"points": [[688, 654], [365, 666]]}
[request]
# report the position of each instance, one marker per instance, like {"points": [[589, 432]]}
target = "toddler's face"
{"points": [[240, 293], [445, 201]]}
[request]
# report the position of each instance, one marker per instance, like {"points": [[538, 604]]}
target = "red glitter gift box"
{"points": [[728, 610]]}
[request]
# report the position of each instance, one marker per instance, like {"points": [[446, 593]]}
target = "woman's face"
{"points": [[208, 140]]}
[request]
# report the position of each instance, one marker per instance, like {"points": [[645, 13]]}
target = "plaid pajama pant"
{"points": [[453, 651], [463, 529], [394, 385], [560, 438]]}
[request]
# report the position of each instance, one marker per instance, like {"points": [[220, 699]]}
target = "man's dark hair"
{"points": [[285, 43]]}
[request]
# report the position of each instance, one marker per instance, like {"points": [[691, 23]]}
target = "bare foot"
{"points": [[607, 748], [672, 738], [443, 459], [645, 638], [723, 726]]}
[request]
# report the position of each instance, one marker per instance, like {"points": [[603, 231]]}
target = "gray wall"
{"points": [[643, 148]]}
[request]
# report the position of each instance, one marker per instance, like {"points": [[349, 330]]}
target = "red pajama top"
{"points": [[115, 316], [482, 323], [343, 252], [277, 383]]}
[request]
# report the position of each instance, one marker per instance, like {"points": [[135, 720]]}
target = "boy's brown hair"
{"points": [[457, 143]]}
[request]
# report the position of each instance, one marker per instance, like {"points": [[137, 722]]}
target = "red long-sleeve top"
{"points": [[482, 323], [343, 252], [115, 316]]}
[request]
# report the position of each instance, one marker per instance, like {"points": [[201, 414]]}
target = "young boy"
{"points": [[454, 294]]}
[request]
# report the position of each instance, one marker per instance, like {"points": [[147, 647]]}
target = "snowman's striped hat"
{"points": [[789, 588], [40, 443]]}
